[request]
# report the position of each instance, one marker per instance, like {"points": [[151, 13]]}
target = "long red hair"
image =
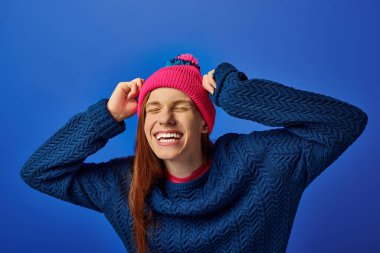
{"points": [[148, 170]]}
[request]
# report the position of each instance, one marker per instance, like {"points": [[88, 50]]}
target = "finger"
{"points": [[133, 92], [211, 79], [211, 89], [204, 81], [206, 85], [125, 86], [139, 81]]}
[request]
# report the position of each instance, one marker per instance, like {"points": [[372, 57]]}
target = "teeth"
{"points": [[168, 135], [167, 140]]}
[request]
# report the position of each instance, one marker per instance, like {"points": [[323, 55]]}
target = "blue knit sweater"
{"points": [[248, 199]]}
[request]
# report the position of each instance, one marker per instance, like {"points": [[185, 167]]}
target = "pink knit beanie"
{"points": [[182, 73]]}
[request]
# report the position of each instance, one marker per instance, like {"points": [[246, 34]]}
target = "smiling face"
{"points": [[173, 125]]}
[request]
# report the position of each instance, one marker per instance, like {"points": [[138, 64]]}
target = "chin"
{"points": [[166, 155], [167, 152]]}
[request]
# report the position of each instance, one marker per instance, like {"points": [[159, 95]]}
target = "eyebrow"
{"points": [[174, 102]]}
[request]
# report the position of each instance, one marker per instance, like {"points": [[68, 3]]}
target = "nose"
{"points": [[166, 118]]}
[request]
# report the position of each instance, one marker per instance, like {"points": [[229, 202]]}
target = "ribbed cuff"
{"points": [[103, 121], [222, 71], [220, 74]]}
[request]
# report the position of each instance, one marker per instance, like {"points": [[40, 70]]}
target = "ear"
{"points": [[204, 127]]}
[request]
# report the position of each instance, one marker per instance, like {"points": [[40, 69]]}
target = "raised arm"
{"points": [[57, 167], [315, 127]]}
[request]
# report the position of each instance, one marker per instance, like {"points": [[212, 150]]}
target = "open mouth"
{"points": [[168, 137]]}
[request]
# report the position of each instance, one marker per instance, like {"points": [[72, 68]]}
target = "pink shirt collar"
{"points": [[197, 173]]}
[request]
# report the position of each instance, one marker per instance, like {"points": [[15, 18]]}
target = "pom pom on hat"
{"points": [[182, 73], [184, 59]]}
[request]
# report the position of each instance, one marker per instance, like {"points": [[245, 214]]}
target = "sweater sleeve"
{"points": [[315, 129], [57, 167]]}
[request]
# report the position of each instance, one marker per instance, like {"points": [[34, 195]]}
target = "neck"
{"points": [[183, 168]]}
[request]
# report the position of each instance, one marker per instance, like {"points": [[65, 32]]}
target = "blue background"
{"points": [[59, 57]]}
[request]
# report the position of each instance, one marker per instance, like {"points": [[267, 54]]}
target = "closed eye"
{"points": [[153, 110], [181, 108], [178, 108]]}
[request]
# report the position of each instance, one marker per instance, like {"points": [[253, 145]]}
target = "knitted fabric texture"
{"points": [[247, 200], [182, 73]]}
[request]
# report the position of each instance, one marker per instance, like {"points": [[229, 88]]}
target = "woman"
{"points": [[180, 192]]}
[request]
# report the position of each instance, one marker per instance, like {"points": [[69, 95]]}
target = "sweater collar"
{"points": [[190, 183], [197, 173]]}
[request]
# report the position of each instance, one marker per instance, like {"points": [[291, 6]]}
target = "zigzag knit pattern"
{"points": [[248, 199]]}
